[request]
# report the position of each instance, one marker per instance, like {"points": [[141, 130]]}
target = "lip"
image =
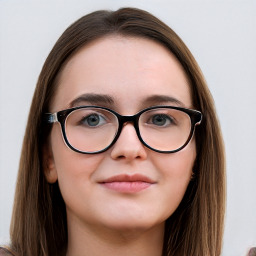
{"points": [[127, 183]]}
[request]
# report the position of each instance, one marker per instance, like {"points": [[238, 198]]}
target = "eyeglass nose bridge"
{"points": [[124, 120]]}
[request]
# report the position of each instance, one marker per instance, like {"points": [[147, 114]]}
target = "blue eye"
{"points": [[93, 120], [161, 120]]}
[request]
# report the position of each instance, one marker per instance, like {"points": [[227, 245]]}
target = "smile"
{"points": [[128, 183]]}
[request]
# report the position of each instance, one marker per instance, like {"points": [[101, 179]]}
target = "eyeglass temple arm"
{"points": [[51, 118], [199, 118]]}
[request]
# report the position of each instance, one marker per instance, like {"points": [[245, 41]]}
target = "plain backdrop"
{"points": [[220, 34]]}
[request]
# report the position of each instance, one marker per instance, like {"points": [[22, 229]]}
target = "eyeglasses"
{"points": [[94, 129]]}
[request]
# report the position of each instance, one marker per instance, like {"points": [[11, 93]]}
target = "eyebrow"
{"points": [[162, 99], [92, 98], [104, 99]]}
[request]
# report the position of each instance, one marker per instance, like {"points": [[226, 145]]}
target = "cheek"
{"points": [[175, 173], [74, 170], [178, 165]]}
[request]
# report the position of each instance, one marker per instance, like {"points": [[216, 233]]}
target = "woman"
{"points": [[123, 152]]}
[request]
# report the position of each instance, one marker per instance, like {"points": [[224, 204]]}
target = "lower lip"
{"points": [[127, 187]]}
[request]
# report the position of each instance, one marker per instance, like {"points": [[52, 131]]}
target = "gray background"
{"points": [[220, 34]]}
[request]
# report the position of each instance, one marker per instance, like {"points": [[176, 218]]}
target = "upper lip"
{"points": [[128, 178]]}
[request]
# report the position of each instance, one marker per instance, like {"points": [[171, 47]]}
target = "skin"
{"points": [[102, 221]]}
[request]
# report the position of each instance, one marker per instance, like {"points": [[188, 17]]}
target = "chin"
{"points": [[133, 223]]}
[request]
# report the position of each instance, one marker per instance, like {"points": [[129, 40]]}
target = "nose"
{"points": [[128, 146]]}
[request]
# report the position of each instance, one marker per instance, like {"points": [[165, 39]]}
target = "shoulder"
{"points": [[5, 252], [252, 252]]}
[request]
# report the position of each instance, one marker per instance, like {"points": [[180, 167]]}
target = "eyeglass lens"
{"points": [[165, 129]]}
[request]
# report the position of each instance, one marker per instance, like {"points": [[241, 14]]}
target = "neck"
{"points": [[86, 239]]}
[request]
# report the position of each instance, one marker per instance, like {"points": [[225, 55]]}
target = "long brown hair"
{"points": [[39, 216]]}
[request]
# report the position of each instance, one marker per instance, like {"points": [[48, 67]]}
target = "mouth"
{"points": [[128, 183]]}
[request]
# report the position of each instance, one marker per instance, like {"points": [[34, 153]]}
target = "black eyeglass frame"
{"points": [[60, 116]]}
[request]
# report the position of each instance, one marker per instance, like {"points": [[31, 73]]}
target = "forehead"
{"points": [[129, 69]]}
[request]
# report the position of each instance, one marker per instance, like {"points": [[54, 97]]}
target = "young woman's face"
{"points": [[127, 75]]}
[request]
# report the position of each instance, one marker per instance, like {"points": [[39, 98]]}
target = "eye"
{"points": [[93, 120], [161, 120]]}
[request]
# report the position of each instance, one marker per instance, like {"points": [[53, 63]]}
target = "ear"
{"points": [[49, 167]]}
